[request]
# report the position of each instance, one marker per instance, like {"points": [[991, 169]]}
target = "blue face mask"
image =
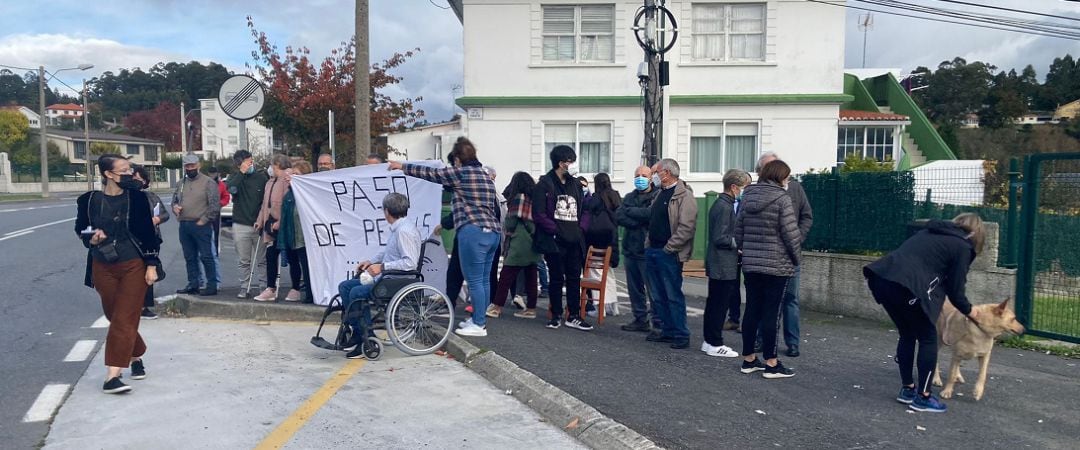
{"points": [[641, 183]]}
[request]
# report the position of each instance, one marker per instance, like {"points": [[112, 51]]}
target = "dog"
{"points": [[973, 339]]}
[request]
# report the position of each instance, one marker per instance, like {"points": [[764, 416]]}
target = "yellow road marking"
{"points": [[285, 431]]}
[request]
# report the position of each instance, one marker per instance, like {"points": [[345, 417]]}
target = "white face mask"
{"points": [[270, 171], [572, 169], [656, 180]]}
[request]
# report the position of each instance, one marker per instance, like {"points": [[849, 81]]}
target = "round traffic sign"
{"points": [[241, 97]]}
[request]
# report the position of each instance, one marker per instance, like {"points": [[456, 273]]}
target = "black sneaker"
{"points": [[657, 337], [147, 314], [115, 386], [188, 290], [680, 344], [138, 370], [578, 324], [752, 366], [356, 353], [553, 324], [543, 294], [792, 352], [637, 327], [210, 291], [778, 371]]}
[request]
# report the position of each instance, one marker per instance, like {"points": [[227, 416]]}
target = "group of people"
{"points": [[540, 230]]}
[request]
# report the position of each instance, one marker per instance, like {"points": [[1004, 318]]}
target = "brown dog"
{"points": [[970, 339]]}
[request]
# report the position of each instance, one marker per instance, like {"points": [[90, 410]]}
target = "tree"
{"points": [[1004, 101], [956, 89], [300, 93], [161, 124], [128, 91], [13, 127], [26, 157], [101, 148]]}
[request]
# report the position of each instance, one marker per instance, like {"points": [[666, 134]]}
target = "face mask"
{"points": [[641, 183], [656, 180], [270, 171], [129, 182], [192, 173], [739, 197], [586, 191], [572, 169], [251, 169]]}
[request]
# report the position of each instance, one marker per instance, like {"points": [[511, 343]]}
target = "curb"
{"points": [[576, 418], [192, 306]]}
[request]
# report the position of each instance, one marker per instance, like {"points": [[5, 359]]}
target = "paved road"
{"points": [[46, 308], [841, 397]]}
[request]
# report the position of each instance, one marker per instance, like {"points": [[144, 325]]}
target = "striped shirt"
{"points": [[474, 200]]}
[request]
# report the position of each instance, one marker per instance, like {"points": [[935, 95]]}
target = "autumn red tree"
{"points": [[162, 124], [301, 91]]}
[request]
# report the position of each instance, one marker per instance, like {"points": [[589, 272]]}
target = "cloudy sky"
{"points": [[127, 33]]}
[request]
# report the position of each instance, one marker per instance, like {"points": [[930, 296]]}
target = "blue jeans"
{"points": [[790, 311], [637, 281], [197, 244], [478, 248], [351, 291], [217, 257], [665, 286], [543, 270]]}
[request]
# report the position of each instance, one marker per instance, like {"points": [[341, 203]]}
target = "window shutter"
{"points": [[706, 130], [597, 19], [594, 133], [559, 133], [742, 129], [558, 20]]}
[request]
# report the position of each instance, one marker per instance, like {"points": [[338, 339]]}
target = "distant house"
{"points": [[426, 142], [1035, 118], [971, 120], [63, 111], [73, 145], [1067, 111], [33, 117]]}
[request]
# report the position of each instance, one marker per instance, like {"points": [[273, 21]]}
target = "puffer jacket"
{"points": [[767, 231]]}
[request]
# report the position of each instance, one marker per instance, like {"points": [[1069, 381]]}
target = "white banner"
{"points": [[341, 214]]}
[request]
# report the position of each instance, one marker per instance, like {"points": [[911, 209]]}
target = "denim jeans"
{"points": [[542, 268], [197, 244], [478, 247], [641, 303], [665, 286], [351, 291], [217, 257], [790, 311]]}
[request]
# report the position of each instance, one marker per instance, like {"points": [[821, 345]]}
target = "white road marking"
{"points": [[13, 236], [164, 298], [101, 322], [81, 351], [47, 402], [72, 219], [33, 208]]}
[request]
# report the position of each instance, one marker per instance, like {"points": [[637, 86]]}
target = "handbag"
{"points": [[158, 267]]}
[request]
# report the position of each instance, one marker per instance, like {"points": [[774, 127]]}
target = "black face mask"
{"points": [[192, 173], [129, 182]]}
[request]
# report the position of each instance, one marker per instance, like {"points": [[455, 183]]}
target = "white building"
{"points": [[60, 112], [31, 116], [426, 142], [746, 77], [221, 133]]}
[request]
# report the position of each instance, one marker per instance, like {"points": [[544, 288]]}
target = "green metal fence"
{"points": [[1048, 277]]}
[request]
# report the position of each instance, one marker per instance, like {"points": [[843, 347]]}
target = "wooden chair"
{"points": [[599, 259]]}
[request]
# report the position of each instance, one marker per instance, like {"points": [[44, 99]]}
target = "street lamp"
{"points": [[44, 121]]}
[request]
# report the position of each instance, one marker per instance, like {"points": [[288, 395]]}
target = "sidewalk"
{"points": [[218, 384], [841, 397]]}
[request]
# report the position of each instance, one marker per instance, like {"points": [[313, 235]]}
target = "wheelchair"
{"points": [[417, 317]]}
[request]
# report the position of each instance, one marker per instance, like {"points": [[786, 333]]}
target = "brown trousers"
{"points": [[122, 286]]}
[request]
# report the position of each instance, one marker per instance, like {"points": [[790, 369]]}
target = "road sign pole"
{"points": [[243, 135]]}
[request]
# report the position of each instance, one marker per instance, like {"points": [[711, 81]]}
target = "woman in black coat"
{"points": [[117, 227], [912, 282]]}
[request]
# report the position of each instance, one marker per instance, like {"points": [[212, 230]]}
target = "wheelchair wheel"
{"points": [[372, 349], [419, 319]]}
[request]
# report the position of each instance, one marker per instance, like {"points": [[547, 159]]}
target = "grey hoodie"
{"points": [[767, 231]]}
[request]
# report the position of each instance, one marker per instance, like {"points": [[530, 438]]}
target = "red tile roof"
{"points": [[65, 107], [850, 115]]}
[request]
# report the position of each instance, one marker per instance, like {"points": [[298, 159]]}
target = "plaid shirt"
{"points": [[474, 200]]}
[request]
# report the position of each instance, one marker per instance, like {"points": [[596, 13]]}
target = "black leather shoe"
{"points": [[792, 352], [208, 292], [657, 337], [679, 345], [636, 326], [188, 290]]}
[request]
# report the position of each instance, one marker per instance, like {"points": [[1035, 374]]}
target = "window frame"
{"points": [[577, 141], [577, 35], [127, 149], [863, 145], [232, 123], [208, 105], [727, 32], [723, 143], [233, 140]]}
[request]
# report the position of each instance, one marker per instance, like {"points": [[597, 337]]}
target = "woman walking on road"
{"points": [[767, 234], [291, 240], [912, 282], [117, 227], [520, 256], [162, 216]]}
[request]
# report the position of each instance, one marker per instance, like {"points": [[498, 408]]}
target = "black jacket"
{"points": [[767, 231], [804, 215], [722, 256], [140, 224], [556, 211], [593, 209], [932, 264], [633, 215]]}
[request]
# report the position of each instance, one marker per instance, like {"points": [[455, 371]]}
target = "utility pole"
{"points": [[866, 23], [651, 24], [363, 84], [183, 130], [654, 95], [44, 140], [86, 137], [330, 139]]}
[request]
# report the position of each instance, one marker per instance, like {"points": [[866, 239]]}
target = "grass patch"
{"points": [[1054, 314], [1042, 346], [18, 197]]}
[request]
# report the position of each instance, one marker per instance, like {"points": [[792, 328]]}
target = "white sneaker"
{"points": [[267, 295], [519, 301], [472, 330], [722, 351], [705, 347], [465, 323]]}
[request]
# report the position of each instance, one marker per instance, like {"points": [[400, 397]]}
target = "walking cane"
{"points": [[254, 262]]}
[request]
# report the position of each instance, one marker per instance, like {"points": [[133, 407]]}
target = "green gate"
{"points": [[1048, 274]]}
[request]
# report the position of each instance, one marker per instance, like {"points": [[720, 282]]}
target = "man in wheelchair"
{"points": [[402, 253]]}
